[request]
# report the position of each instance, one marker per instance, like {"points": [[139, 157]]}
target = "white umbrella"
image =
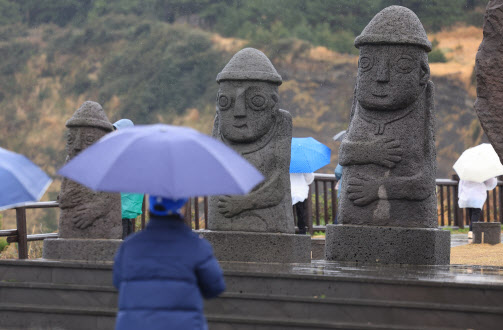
{"points": [[478, 164], [339, 136]]}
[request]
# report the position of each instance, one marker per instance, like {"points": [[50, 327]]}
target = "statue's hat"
{"points": [[250, 64], [90, 114], [394, 25]]}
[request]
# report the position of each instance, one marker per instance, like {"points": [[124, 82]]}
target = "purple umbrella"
{"points": [[162, 160]]}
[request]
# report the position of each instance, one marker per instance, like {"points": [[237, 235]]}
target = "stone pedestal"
{"points": [[318, 248], [486, 232], [81, 249], [259, 247], [388, 245]]}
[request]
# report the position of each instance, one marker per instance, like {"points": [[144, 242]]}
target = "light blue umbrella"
{"points": [[21, 181], [162, 160], [308, 155]]}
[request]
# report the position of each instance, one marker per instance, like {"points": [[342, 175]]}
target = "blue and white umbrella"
{"points": [[308, 155], [21, 181], [162, 160]]}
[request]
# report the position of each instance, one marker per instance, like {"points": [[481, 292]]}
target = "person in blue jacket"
{"points": [[164, 272]]}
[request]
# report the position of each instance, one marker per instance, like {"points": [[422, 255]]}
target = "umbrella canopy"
{"points": [[308, 155], [21, 181], [162, 160], [478, 164]]}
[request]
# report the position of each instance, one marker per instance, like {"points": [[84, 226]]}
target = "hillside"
{"points": [[152, 71]]}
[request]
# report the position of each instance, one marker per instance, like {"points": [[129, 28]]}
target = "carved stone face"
{"points": [[391, 77], [246, 109], [79, 138]]}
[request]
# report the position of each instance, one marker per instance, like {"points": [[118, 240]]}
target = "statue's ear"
{"points": [[425, 73], [275, 99]]}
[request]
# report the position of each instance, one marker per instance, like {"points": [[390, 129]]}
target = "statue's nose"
{"points": [[77, 144], [240, 106], [383, 71]]}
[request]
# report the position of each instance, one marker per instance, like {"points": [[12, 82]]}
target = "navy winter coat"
{"points": [[162, 274]]}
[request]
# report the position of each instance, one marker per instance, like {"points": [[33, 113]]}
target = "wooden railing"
{"points": [[322, 208]]}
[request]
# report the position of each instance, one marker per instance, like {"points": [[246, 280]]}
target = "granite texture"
{"points": [[388, 153], [388, 245], [489, 75], [80, 249], [259, 247], [491, 231], [249, 120], [86, 213]]}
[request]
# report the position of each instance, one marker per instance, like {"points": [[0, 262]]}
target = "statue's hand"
{"points": [[230, 206], [83, 218], [362, 191], [387, 152]]}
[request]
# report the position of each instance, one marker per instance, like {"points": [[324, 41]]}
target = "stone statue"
{"points": [[387, 208], [489, 73], [249, 121], [388, 153], [86, 213]]}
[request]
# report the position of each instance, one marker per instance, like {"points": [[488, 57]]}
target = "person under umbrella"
{"points": [[472, 196], [164, 272], [307, 156], [131, 204], [477, 168]]}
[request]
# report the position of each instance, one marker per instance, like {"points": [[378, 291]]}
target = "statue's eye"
{"points": [[404, 64], [365, 63], [89, 139], [70, 138], [257, 101], [224, 102]]}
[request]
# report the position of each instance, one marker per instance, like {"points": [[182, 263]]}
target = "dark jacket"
{"points": [[162, 274]]}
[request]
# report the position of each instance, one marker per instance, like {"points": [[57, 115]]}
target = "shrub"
{"points": [[436, 56]]}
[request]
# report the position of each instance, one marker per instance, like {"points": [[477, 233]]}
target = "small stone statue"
{"points": [[249, 121], [388, 153], [86, 213]]}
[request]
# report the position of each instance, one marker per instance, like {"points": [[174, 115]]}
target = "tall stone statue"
{"points": [[388, 153], [259, 226], [90, 226], [489, 73], [250, 121]]}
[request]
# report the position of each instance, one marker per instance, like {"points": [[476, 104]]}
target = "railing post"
{"points": [[495, 212], [449, 215], [442, 216], [22, 240], [458, 213], [205, 212], [196, 211], [325, 203], [188, 213], [334, 200], [309, 218], [317, 203], [500, 188]]}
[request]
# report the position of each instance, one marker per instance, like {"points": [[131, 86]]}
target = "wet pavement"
{"points": [[465, 275], [461, 239]]}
